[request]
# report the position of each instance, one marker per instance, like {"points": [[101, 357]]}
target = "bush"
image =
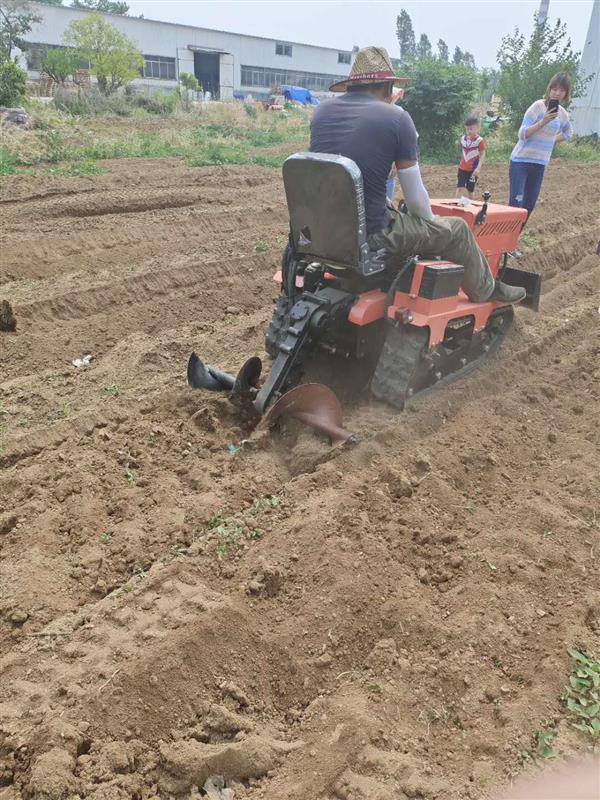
{"points": [[91, 103], [154, 103], [12, 83], [438, 98]]}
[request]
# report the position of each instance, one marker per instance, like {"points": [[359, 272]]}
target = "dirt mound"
{"points": [[182, 596]]}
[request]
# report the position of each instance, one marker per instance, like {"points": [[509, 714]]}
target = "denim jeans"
{"points": [[525, 181], [448, 237]]}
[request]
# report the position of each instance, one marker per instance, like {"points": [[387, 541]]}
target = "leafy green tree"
{"points": [[468, 60], [51, 2], [113, 58], [190, 84], [59, 63], [16, 19], [527, 64], [406, 37], [102, 6], [458, 56], [424, 47], [12, 82], [443, 52], [438, 97]]}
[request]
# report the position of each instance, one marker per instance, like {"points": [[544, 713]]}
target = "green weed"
{"points": [[112, 390], [543, 744], [8, 162], [582, 694], [262, 246], [105, 538], [226, 531]]}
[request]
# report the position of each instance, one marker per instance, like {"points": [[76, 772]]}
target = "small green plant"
{"points": [[265, 501], [582, 694], [112, 390], [105, 538], [262, 246], [130, 477], [66, 410], [543, 744], [55, 146], [226, 531], [530, 241]]}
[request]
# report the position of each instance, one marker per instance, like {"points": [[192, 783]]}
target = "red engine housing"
{"points": [[497, 235]]}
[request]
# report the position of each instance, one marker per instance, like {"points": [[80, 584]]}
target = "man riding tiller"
{"points": [[414, 297]]}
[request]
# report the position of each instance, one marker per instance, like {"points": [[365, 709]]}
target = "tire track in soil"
{"points": [[407, 603]]}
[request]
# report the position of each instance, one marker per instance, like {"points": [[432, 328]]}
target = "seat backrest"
{"points": [[326, 203]]}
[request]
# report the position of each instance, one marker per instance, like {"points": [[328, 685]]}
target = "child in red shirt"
{"points": [[472, 158]]}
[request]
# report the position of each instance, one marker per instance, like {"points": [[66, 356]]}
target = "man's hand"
{"points": [[476, 172]]}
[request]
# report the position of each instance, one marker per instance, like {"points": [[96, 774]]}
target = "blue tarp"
{"points": [[299, 94]]}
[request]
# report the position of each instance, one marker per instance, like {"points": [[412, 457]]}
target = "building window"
{"points": [[282, 49], [265, 78], [344, 58], [161, 67]]}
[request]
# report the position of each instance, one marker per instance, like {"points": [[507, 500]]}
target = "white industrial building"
{"points": [[586, 109], [226, 64]]}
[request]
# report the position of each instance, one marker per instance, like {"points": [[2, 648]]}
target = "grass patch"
{"points": [[77, 170], [8, 162], [582, 694]]}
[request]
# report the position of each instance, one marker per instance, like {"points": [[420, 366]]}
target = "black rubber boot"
{"points": [[503, 293]]}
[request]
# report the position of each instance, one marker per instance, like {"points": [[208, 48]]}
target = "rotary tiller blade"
{"points": [[316, 406]]}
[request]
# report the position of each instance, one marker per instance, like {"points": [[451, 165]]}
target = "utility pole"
{"points": [[543, 11]]}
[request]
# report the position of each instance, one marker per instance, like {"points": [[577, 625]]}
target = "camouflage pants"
{"points": [[447, 237]]}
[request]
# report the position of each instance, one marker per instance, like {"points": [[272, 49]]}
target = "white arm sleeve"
{"points": [[415, 193]]}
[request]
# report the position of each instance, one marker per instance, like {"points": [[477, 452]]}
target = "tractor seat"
{"points": [[326, 204]]}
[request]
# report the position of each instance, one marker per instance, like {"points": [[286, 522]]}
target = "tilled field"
{"points": [[381, 623]]}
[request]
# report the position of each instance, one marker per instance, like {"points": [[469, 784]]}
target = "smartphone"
{"points": [[553, 104]]}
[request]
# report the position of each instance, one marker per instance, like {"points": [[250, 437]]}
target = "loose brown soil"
{"points": [[381, 623]]}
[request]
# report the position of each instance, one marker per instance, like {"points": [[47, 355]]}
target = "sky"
{"points": [[474, 25]]}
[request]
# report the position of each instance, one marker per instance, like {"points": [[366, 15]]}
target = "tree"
{"points": [[16, 19], [526, 66], [12, 82], [113, 58], [51, 2], [190, 84], [406, 37], [59, 63], [443, 52], [457, 58], [468, 60], [438, 96], [102, 6], [424, 47]]}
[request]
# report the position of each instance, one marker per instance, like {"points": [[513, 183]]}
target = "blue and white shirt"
{"points": [[538, 148]]}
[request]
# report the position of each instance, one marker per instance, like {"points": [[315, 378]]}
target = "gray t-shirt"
{"points": [[374, 135]]}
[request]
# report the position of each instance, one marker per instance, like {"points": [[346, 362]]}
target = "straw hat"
{"points": [[371, 65]]}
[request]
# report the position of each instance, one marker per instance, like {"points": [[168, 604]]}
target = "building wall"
{"points": [[178, 41]]}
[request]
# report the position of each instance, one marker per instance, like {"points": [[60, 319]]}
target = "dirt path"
{"points": [[385, 623]]}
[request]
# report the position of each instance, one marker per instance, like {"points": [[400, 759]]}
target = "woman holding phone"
{"points": [[545, 122]]}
